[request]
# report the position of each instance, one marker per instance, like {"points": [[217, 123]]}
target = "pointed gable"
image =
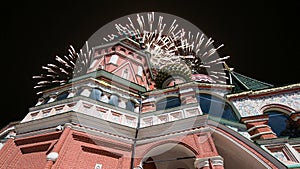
{"points": [[126, 71]]}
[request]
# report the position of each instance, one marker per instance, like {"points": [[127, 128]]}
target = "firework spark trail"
{"points": [[171, 45], [65, 68], [166, 43], [156, 39], [200, 55]]}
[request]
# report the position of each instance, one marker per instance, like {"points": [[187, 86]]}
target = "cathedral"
{"points": [[151, 97]]}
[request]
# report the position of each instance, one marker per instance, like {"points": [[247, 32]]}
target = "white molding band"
{"points": [[7, 130], [204, 162], [258, 126], [255, 120], [262, 133]]}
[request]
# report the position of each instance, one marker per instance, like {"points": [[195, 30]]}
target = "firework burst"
{"points": [[166, 42], [65, 68], [201, 56], [153, 37], [169, 44]]}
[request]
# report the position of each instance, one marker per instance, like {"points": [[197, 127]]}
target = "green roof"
{"points": [[244, 83]]}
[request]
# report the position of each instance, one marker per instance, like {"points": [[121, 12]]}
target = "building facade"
{"points": [[122, 114]]}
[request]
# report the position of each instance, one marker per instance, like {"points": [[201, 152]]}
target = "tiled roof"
{"points": [[244, 83]]}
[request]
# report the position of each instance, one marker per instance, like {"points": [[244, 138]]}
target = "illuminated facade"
{"points": [[118, 116]]}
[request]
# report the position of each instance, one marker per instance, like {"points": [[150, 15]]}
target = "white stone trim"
{"points": [[204, 162], [113, 59], [186, 90], [293, 151], [7, 130], [262, 133], [258, 126], [52, 156], [290, 153], [277, 89], [255, 120]]}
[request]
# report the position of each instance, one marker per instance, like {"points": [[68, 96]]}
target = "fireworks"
{"points": [[166, 42], [201, 57], [153, 38], [170, 44], [67, 67]]}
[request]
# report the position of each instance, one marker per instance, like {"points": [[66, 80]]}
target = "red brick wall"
{"points": [[80, 151], [27, 153], [85, 151]]}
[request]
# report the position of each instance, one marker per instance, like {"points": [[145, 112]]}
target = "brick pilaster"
{"points": [[258, 128]]}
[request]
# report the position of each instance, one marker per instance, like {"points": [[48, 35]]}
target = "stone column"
{"points": [[208, 157], [188, 97], [148, 106]]}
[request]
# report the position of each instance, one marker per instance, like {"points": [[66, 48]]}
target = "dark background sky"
{"points": [[261, 38]]}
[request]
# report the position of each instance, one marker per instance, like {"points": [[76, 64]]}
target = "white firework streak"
{"points": [[166, 45], [158, 41], [65, 68], [172, 45], [199, 53]]}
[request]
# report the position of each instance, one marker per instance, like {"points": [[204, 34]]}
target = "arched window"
{"points": [[229, 114], [130, 105], [114, 100], [62, 95], [167, 103], [125, 74], [96, 94], [282, 125], [114, 59], [140, 71], [216, 107], [46, 100]]}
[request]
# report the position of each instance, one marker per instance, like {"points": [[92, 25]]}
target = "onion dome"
{"points": [[172, 74]]}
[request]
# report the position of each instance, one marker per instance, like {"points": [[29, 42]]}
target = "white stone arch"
{"points": [[277, 107]]}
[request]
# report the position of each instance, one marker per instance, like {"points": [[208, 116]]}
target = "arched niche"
{"points": [[280, 122], [238, 152], [168, 102], [96, 94], [170, 155], [63, 95], [216, 106]]}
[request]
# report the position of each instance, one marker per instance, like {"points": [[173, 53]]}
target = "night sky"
{"points": [[261, 38]]}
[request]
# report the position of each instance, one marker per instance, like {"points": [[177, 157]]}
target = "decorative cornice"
{"points": [[192, 84], [12, 128], [265, 91]]}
